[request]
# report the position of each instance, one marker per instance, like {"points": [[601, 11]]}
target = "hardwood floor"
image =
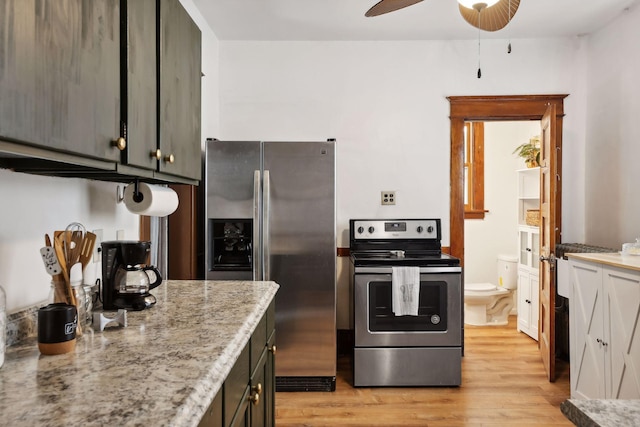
{"points": [[503, 384]]}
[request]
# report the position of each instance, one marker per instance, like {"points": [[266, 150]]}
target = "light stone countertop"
{"points": [[602, 412], [631, 262], [163, 369]]}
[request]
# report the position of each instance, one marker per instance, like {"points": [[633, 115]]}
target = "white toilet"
{"points": [[488, 304]]}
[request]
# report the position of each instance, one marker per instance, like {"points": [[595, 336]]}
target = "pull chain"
{"points": [[509, 46], [479, 52]]}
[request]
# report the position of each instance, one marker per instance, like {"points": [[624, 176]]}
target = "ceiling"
{"points": [[429, 20]]}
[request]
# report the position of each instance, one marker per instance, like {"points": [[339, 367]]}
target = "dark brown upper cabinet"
{"points": [[161, 88], [179, 104], [59, 75], [139, 83], [102, 89]]}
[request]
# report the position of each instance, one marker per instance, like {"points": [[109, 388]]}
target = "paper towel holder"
{"points": [[137, 195]]}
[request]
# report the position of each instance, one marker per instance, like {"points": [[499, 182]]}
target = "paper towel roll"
{"points": [[156, 200]]}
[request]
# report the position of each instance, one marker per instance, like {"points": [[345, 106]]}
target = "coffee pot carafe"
{"points": [[136, 280], [126, 277]]}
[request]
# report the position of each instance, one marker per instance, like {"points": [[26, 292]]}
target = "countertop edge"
{"points": [[191, 412], [602, 412], [613, 259]]}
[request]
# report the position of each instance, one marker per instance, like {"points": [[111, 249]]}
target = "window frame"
{"points": [[474, 165]]}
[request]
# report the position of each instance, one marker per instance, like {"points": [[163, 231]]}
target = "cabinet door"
{"points": [[622, 346], [524, 301], [180, 74], [587, 331], [236, 390], [534, 285], [523, 243], [139, 109], [60, 75], [270, 382], [213, 416], [535, 249], [258, 407]]}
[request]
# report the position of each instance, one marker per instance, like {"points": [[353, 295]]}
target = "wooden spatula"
{"points": [[86, 248]]}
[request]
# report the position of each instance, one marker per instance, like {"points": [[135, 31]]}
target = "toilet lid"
{"points": [[480, 287]]}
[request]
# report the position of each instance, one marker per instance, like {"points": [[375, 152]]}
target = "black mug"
{"points": [[57, 328]]}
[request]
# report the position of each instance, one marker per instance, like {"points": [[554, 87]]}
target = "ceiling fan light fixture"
{"points": [[477, 5], [494, 16]]}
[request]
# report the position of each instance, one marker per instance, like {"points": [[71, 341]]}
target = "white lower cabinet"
{"points": [[604, 331], [528, 280], [528, 302]]}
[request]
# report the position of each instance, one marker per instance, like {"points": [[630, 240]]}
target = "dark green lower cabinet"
{"points": [[247, 397], [213, 416]]}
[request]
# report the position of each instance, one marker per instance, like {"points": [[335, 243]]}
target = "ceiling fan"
{"points": [[487, 15]]}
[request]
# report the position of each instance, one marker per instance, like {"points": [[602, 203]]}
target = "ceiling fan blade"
{"points": [[492, 18], [386, 6]]}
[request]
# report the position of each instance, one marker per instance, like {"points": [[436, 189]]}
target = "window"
{"points": [[474, 170]]}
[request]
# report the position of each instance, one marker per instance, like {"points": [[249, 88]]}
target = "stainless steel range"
{"points": [[424, 347]]}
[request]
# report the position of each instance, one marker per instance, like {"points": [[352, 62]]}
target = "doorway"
{"points": [[511, 108]]}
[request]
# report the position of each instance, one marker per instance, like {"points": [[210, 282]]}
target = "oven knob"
{"points": [[435, 319], [430, 229], [420, 229], [360, 230], [371, 230]]}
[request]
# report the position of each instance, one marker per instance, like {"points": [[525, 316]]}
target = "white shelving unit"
{"points": [[528, 253], [528, 192]]}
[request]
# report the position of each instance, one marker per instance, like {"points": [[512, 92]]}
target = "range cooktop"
{"points": [[402, 258], [398, 242]]}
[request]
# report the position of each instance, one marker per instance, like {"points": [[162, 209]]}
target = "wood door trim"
{"points": [[499, 108], [492, 108]]}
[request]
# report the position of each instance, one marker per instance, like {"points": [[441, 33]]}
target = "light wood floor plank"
{"points": [[503, 384]]}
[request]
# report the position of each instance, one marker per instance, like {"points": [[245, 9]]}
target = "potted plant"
{"points": [[530, 152]]}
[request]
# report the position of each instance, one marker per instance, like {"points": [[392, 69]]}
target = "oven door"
{"points": [[439, 319]]}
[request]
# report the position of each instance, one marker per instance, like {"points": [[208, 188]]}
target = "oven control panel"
{"points": [[396, 229]]}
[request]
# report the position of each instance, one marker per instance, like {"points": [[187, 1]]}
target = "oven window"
{"points": [[432, 308]]}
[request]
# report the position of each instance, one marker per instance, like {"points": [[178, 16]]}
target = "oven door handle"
{"points": [[423, 270]]}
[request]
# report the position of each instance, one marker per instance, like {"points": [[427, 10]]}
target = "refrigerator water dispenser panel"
{"points": [[231, 244]]}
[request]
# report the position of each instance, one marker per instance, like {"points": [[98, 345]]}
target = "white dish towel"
{"points": [[405, 290]]}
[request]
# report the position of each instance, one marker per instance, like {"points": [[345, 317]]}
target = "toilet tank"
{"points": [[508, 271]]}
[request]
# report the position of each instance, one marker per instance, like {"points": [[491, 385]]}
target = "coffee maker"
{"points": [[126, 279]]}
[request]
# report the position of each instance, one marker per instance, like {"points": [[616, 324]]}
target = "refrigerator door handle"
{"points": [[257, 262], [266, 249]]}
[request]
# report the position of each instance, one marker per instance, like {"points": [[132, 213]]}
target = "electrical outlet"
{"points": [[96, 247], [387, 197], [120, 235]]}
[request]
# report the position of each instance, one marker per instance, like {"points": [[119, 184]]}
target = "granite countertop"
{"points": [[164, 368], [602, 413], [615, 259]]}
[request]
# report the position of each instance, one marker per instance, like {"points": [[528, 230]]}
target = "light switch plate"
{"points": [[120, 235], [388, 197]]}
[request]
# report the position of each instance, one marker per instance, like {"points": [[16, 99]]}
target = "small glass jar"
{"points": [[81, 304], [3, 324], [55, 295]]}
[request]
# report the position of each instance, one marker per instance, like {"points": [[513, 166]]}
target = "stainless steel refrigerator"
{"points": [[270, 215]]}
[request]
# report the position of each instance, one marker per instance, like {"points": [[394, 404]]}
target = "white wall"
{"points": [[35, 205], [612, 157], [497, 233], [385, 103]]}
